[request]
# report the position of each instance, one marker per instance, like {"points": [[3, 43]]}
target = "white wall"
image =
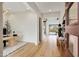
{"points": [[53, 20], [74, 40], [25, 24]]}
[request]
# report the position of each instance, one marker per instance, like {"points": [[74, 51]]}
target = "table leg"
{"points": [[4, 43]]}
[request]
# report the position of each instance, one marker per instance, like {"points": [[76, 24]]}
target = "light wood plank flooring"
{"points": [[47, 48]]}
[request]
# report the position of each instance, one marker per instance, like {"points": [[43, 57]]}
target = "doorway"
{"points": [[53, 29]]}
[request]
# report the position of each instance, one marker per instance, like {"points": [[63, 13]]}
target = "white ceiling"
{"points": [[42, 7], [15, 6]]}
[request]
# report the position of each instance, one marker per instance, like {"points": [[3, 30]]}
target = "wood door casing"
{"points": [[40, 29]]}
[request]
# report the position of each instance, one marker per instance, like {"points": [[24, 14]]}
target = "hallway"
{"points": [[28, 22], [47, 48]]}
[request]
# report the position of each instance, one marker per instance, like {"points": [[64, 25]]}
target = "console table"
{"points": [[11, 41]]}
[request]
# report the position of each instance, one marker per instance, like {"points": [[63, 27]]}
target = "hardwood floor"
{"points": [[47, 48]]}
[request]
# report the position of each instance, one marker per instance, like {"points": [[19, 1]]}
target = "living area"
{"points": [[16, 18], [12, 40]]}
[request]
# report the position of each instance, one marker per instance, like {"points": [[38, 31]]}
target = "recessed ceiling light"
{"points": [[50, 10], [28, 8]]}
